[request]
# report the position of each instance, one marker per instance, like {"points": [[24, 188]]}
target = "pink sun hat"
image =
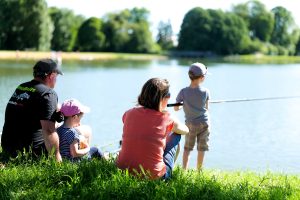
{"points": [[72, 107]]}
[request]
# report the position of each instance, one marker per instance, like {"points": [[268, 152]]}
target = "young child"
{"points": [[73, 144], [195, 99], [148, 144]]}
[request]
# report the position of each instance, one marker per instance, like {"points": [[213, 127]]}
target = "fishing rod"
{"points": [[112, 143], [241, 100]]}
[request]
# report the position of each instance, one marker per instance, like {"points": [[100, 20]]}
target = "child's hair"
{"points": [[193, 76], [67, 117], [152, 92]]}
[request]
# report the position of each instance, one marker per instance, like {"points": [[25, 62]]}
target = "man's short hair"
{"points": [[45, 67]]}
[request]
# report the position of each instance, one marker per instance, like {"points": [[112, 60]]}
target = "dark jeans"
{"points": [[170, 154], [95, 153]]}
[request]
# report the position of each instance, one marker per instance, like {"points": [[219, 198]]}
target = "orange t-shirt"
{"points": [[144, 140]]}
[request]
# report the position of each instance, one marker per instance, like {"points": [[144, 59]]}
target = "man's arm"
{"points": [[51, 138]]}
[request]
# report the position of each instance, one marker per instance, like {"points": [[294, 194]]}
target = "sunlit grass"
{"points": [[94, 56], [84, 56], [262, 59], [25, 178]]}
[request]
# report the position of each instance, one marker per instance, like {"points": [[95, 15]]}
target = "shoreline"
{"points": [[77, 56], [96, 56]]}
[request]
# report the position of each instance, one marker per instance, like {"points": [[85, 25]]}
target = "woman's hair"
{"points": [[152, 92]]}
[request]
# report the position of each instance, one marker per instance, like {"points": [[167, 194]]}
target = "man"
{"points": [[30, 114]]}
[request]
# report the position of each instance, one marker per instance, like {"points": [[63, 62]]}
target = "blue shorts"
{"points": [[170, 154]]}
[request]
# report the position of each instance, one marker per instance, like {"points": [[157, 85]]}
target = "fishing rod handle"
{"points": [[174, 104]]}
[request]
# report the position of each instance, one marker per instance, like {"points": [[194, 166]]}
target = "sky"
{"points": [[163, 10]]}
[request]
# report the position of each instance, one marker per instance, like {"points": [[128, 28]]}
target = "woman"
{"points": [[148, 144]]}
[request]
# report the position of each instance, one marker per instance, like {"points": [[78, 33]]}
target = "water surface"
{"points": [[256, 135]]}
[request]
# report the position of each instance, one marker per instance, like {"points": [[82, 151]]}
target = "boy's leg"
{"points": [[200, 159], [189, 144], [185, 158], [170, 153], [202, 140]]}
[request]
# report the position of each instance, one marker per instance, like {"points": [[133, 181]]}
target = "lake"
{"points": [[252, 135]]}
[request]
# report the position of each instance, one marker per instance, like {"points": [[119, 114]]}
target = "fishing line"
{"points": [[241, 100]]}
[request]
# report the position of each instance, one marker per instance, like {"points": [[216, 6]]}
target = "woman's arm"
{"points": [[179, 127], [76, 152]]}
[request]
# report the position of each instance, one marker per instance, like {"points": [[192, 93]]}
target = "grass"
{"points": [[96, 56], [262, 59], [25, 178], [73, 56]]}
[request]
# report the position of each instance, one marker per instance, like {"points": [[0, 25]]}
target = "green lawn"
{"points": [[45, 179]]}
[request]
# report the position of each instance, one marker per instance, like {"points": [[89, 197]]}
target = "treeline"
{"points": [[248, 28], [32, 25]]}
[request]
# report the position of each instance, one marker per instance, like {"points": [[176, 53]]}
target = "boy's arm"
{"points": [[76, 152], [179, 99], [207, 104], [176, 108]]}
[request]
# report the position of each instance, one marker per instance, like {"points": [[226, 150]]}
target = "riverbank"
{"points": [[262, 59], [94, 56], [74, 56], [46, 179]]}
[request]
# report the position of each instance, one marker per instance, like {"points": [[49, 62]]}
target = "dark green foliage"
{"points": [[298, 47], [25, 25], [128, 31], [195, 30], [214, 31], [285, 33], [90, 35], [260, 22], [66, 25], [249, 28]]}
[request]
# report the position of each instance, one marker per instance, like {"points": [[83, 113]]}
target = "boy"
{"points": [[195, 99], [72, 143]]}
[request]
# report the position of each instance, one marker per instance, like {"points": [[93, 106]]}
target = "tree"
{"points": [[90, 35], [66, 25], [298, 47], [128, 31], [164, 36], [195, 31], [11, 25], [260, 22], [28, 27], [285, 32], [213, 31], [228, 33]]}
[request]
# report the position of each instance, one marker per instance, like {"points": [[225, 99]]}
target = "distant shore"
{"points": [[94, 56], [80, 56]]}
